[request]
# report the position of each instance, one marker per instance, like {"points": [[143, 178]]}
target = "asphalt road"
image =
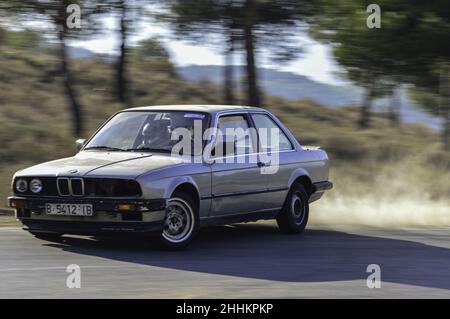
{"points": [[248, 261]]}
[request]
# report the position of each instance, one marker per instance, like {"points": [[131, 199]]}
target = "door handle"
{"points": [[261, 164]]}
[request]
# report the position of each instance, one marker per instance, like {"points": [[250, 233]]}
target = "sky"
{"points": [[316, 62]]}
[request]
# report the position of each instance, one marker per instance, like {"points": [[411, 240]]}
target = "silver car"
{"points": [[167, 170]]}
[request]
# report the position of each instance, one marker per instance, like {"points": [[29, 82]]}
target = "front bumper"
{"points": [[106, 205], [147, 217], [91, 228]]}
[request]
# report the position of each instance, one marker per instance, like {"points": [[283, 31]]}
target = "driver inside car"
{"points": [[156, 135]]}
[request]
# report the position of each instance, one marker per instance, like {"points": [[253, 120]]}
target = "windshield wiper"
{"points": [[148, 149], [105, 148]]}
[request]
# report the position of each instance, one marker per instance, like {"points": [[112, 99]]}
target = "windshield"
{"points": [[145, 131]]}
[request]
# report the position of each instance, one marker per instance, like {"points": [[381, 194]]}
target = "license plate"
{"points": [[69, 209]]}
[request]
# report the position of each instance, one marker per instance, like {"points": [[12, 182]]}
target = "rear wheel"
{"points": [[181, 222], [293, 217]]}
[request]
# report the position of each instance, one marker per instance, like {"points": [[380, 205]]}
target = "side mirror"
{"points": [[80, 143]]}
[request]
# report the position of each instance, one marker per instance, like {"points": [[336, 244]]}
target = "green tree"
{"points": [[364, 53], [248, 25], [412, 46], [214, 22], [150, 54], [151, 49], [436, 101], [21, 39], [129, 13], [55, 13]]}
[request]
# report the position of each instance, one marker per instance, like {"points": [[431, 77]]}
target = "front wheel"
{"points": [[181, 222], [293, 217]]}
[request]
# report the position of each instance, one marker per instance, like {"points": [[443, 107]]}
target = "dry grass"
{"points": [[394, 174], [8, 221]]}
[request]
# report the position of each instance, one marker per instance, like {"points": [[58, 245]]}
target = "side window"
{"points": [[271, 137], [234, 136]]}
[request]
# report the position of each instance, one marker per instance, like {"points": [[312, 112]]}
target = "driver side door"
{"points": [[237, 183]]}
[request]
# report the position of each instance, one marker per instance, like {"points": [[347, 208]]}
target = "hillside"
{"points": [[399, 163], [287, 85], [292, 86]]}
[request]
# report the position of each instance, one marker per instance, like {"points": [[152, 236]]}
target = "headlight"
{"points": [[36, 186], [21, 185]]}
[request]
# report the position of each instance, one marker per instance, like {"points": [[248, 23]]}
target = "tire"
{"points": [[293, 217], [181, 223], [47, 236]]}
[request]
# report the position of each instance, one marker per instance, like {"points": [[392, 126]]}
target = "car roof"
{"points": [[194, 108]]}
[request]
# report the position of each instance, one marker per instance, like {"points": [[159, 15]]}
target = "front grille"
{"points": [[87, 187], [70, 186], [63, 186], [77, 186], [105, 187]]}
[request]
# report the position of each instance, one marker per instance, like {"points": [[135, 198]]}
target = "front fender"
{"points": [[177, 181], [163, 188]]}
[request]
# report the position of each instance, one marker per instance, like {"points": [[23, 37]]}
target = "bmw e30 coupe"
{"points": [[136, 175]]}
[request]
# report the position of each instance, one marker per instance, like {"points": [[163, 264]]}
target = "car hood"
{"points": [[103, 164]]}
